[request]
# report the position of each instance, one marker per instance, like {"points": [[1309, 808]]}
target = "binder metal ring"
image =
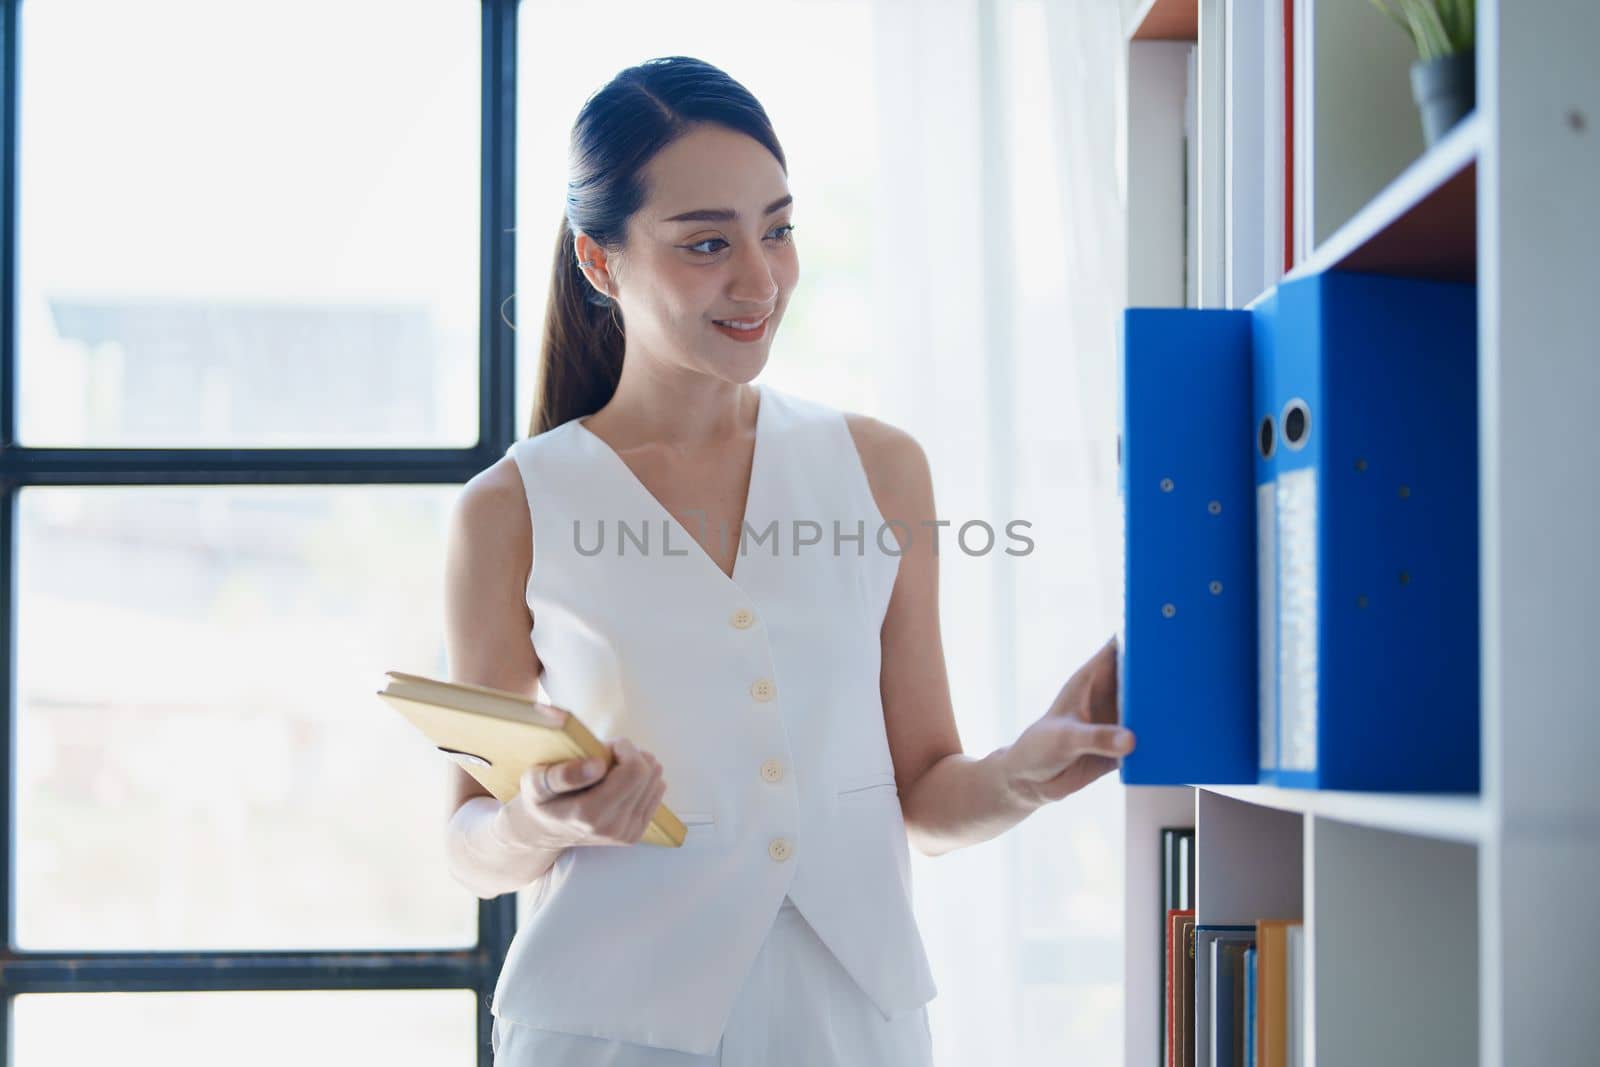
{"points": [[1295, 437]]}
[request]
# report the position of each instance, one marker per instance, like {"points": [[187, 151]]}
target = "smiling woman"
{"points": [[674, 265], [897, 279], [698, 215]]}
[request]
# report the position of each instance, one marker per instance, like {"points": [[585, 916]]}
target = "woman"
{"points": [[789, 685]]}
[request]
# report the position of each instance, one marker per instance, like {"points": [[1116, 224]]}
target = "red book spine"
{"points": [[1171, 937], [1175, 958]]}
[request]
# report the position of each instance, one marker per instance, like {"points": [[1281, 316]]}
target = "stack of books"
{"points": [[1233, 994]]}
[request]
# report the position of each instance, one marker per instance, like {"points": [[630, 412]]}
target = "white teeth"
{"points": [[740, 325]]}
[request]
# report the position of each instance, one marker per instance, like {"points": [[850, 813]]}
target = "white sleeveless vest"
{"points": [[759, 695]]}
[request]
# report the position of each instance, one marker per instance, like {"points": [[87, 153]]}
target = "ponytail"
{"points": [[619, 130], [580, 361]]}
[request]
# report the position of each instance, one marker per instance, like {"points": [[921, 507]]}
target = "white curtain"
{"points": [[996, 291]]}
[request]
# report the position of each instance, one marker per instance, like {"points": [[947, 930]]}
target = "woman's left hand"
{"points": [[1077, 740]]}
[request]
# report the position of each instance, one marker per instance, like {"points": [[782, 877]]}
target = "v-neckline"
{"points": [[666, 514]]}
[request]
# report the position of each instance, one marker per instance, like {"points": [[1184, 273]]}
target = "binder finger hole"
{"points": [[1267, 437], [1296, 424]]}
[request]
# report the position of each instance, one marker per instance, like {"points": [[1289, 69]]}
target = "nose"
{"points": [[751, 281]]}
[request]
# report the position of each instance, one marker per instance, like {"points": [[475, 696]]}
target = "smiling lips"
{"points": [[746, 330], [743, 324]]}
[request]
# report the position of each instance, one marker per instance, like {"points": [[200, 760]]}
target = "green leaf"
{"points": [[1437, 27]]}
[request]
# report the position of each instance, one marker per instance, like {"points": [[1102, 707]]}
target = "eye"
{"points": [[699, 245], [780, 235]]}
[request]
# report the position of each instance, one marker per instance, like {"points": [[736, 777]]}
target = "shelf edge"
{"points": [[1458, 150], [1457, 817]]}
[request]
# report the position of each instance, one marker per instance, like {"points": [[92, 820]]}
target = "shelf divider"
{"points": [[1249, 859]]}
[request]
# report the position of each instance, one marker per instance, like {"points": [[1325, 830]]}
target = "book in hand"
{"points": [[495, 735]]}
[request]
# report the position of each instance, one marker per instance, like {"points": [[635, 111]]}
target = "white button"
{"points": [[742, 619], [763, 689], [779, 849], [772, 770]]}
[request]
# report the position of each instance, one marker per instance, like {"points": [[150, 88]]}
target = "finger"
{"points": [[616, 773], [649, 801], [1104, 705], [1075, 739], [571, 775], [1112, 741], [629, 770], [619, 795], [534, 784], [640, 806]]}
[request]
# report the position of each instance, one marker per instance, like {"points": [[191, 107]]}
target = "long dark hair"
{"points": [[619, 130]]}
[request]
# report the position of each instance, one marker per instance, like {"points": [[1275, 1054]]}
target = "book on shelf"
{"points": [[1295, 995], [1227, 1002], [1251, 187], [1297, 101], [1374, 388], [1251, 972], [1187, 660], [1272, 991], [1237, 153], [1283, 610], [495, 735], [1180, 986], [1206, 936], [1191, 180], [1177, 867], [1280, 114], [1177, 894], [1211, 121]]}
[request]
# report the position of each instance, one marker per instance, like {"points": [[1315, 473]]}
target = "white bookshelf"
{"points": [[1446, 817], [1422, 224], [1440, 929]]}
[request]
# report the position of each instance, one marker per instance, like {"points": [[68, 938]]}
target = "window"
{"points": [[245, 361]]}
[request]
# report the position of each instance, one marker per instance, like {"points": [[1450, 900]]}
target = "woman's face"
{"points": [[711, 243]]}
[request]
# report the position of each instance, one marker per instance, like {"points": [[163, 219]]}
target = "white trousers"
{"points": [[799, 1008]]}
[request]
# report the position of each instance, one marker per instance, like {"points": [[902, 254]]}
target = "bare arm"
{"points": [[950, 799], [489, 556]]}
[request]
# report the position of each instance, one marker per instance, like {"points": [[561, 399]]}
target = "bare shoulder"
{"points": [[896, 465], [884, 447], [498, 484], [492, 512]]}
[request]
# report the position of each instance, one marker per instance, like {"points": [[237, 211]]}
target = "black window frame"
{"points": [[476, 967]]}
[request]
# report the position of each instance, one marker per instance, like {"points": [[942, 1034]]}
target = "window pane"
{"points": [[202, 760], [253, 225], [826, 125], [432, 1027]]}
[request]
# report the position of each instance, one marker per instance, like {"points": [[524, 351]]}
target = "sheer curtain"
{"points": [[995, 295]]}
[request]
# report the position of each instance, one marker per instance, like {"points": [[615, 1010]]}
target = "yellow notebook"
{"points": [[495, 735]]}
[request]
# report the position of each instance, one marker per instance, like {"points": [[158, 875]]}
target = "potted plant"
{"points": [[1442, 79]]}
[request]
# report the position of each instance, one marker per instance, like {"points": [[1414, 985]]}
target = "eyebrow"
{"points": [[725, 214]]}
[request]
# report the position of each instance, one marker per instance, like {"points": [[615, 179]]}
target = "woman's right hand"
{"points": [[558, 808]]}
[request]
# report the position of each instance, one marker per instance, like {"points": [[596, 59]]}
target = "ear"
{"points": [[598, 270]]}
